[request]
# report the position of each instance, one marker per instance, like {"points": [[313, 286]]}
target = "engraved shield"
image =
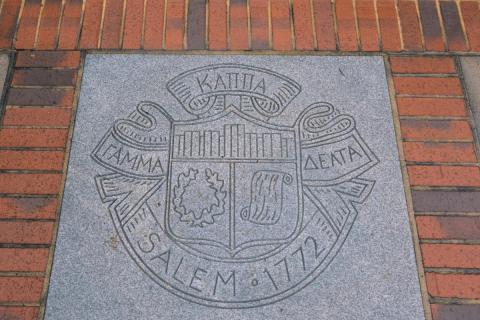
{"points": [[234, 186]]}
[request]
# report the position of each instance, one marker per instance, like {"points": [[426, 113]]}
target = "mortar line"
{"points": [[400, 29], [17, 23], [122, 24], [144, 22], [164, 27], [39, 21], [462, 24], [59, 24], [442, 27], [80, 31], [420, 26], [102, 21], [314, 30]]}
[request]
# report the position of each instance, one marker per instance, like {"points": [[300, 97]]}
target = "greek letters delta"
{"points": [[231, 209]]}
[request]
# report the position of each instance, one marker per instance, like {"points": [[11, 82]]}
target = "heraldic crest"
{"points": [[227, 208]]}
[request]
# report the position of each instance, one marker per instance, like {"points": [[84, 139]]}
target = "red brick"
{"points": [[412, 38], [47, 30], [40, 97], [92, 19], [367, 25], [30, 183], [450, 255], [238, 25], [33, 137], [154, 24], [44, 77], [27, 28], [448, 227], [432, 31], [347, 34], [471, 12], [463, 286], [422, 65], [440, 152], [46, 116], [304, 26], [59, 59], [8, 22], [19, 313], [388, 23], [21, 289], [175, 25], [436, 130], [23, 260], [453, 26], [281, 25], [217, 25], [28, 208], [259, 24], [112, 23], [428, 86], [31, 160], [132, 32], [436, 107], [444, 176], [324, 26], [26, 232], [70, 25]]}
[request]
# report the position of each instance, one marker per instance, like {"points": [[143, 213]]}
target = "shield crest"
{"points": [[234, 186]]}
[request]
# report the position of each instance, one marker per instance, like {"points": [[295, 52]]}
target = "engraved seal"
{"points": [[230, 209]]}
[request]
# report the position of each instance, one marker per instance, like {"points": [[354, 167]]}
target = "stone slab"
{"points": [[4, 63], [234, 187], [471, 75]]}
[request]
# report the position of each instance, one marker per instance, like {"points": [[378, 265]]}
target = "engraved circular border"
{"points": [[246, 304]]}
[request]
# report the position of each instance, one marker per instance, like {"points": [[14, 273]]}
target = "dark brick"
{"points": [[44, 77], [196, 24], [40, 97], [446, 201], [432, 31], [453, 27], [455, 311]]}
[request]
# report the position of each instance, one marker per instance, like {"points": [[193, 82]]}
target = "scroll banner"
{"points": [[206, 91], [137, 146], [333, 157]]}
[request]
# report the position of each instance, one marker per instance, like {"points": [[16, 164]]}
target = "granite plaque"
{"points": [[240, 187]]}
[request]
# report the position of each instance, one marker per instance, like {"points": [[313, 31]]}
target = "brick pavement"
{"points": [[421, 42]]}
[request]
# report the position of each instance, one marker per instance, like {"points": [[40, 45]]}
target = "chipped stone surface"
{"points": [[4, 62], [471, 73], [244, 187]]}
